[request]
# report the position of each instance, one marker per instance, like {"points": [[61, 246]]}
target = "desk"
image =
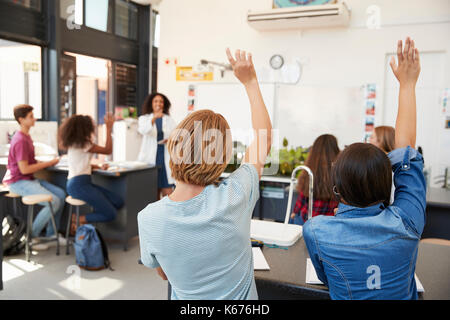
{"points": [[286, 279], [138, 188], [438, 214]]}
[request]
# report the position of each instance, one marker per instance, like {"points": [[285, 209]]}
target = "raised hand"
{"points": [[408, 69], [109, 120], [242, 66]]}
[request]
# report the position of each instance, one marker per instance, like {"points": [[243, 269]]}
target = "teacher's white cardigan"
{"points": [[149, 145]]}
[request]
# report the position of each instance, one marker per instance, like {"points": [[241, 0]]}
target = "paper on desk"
{"points": [[259, 261], [311, 276]]}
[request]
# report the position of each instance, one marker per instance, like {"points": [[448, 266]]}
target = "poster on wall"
{"points": [[189, 74], [370, 96], [297, 3], [191, 98]]}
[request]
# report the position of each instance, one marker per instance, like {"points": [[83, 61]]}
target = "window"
{"points": [[126, 19], [33, 4], [20, 78], [97, 12]]}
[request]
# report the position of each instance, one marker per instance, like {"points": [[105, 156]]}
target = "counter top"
{"points": [[265, 178], [113, 173]]}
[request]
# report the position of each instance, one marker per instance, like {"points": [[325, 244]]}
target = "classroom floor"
{"points": [[49, 277]]}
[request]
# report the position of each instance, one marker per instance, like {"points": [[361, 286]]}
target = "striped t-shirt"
{"points": [[203, 244]]}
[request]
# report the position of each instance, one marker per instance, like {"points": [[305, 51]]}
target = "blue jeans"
{"points": [[105, 202], [297, 220], [32, 187]]}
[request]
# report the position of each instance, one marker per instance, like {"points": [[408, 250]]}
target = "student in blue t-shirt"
{"points": [[369, 249], [199, 236]]}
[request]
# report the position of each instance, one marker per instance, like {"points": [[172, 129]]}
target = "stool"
{"points": [[77, 204], [31, 201], [15, 198]]}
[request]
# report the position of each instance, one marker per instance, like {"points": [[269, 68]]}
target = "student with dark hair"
{"points": [[369, 249], [155, 125], [76, 135], [19, 176], [322, 154]]}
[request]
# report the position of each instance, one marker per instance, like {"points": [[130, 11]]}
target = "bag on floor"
{"points": [[91, 252], [13, 235]]}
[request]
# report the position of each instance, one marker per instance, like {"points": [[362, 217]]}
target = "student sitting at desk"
{"points": [[369, 249], [323, 152], [199, 236], [77, 136], [19, 176]]}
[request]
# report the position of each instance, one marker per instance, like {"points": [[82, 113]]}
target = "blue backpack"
{"points": [[91, 252]]}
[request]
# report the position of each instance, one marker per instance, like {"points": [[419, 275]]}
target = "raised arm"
{"points": [[107, 149], [258, 150], [407, 164], [407, 72]]}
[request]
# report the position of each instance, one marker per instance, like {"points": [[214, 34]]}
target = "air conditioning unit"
{"points": [[304, 17]]}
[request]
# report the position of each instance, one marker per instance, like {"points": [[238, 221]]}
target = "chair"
{"points": [[31, 201], [77, 204]]}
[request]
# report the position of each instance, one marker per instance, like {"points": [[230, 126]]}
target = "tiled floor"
{"points": [[56, 277]]}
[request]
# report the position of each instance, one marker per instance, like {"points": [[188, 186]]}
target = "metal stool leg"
{"points": [[29, 235], [69, 222], [16, 212], [78, 216], [54, 228]]}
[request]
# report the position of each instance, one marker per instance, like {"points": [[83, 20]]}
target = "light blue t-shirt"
{"points": [[203, 244]]}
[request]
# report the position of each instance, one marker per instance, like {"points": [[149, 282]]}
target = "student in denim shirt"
{"points": [[369, 249]]}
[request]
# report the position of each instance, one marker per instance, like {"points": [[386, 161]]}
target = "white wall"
{"points": [[333, 58]]}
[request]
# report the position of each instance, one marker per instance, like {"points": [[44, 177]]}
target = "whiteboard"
{"points": [[306, 112], [231, 101]]}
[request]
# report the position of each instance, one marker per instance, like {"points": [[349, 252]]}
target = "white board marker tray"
{"points": [[280, 234]]}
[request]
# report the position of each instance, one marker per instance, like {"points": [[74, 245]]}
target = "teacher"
{"points": [[156, 125]]}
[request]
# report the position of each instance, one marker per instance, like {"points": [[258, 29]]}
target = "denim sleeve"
{"points": [[147, 258], [410, 187], [313, 250]]}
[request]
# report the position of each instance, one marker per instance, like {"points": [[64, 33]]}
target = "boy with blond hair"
{"points": [[198, 238]]}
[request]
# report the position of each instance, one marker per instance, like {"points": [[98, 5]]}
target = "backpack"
{"points": [[13, 235], [91, 252]]}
